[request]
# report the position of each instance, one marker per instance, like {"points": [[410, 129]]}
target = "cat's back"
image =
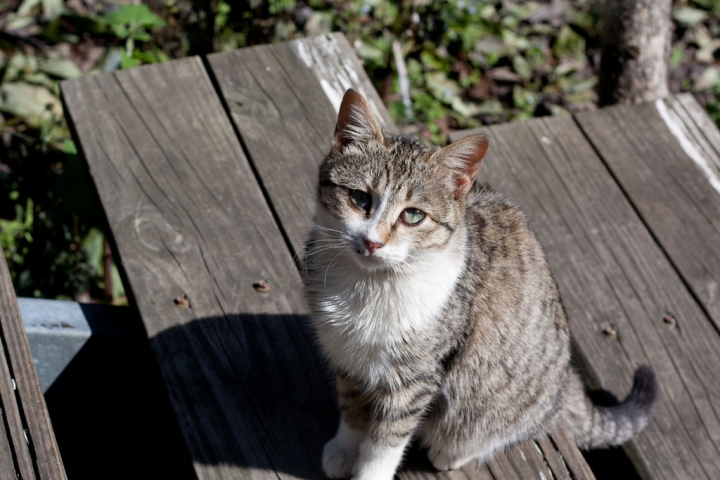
{"points": [[499, 233], [507, 275], [505, 377]]}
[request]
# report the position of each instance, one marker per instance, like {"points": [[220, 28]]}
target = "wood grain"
{"points": [[612, 273], [500, 467], [188, 217], [521, 462], [7, 466], [666, 157], [554, 459], [284, 100], [571, 455], [26, 434]]}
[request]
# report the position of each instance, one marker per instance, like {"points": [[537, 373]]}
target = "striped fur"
{"points": [[452, 331]]}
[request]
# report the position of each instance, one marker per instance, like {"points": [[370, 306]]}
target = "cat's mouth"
{"points": [[369, 261]]}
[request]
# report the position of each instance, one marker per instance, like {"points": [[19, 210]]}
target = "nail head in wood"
{"points": [[262, 286], [182, 301], [610, 332]]}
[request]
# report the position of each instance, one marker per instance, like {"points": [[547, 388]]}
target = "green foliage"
{"points": [[47, 213], [279, 6], [13, 231], [132, 23], [472, 62], [469, 62]]}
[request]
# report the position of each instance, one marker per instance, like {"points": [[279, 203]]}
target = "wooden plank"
{"points": [[571, 455], [7, 465], [26, 423], [612, 273], [285, 112], [500, 467], [284, 99], [666, 157], [188, 218], [529, 454], [524, 461], [10, 406], [553, 459], [521, 464]]}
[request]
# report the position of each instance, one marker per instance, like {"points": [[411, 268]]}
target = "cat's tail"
{"points": [[604, 423]]}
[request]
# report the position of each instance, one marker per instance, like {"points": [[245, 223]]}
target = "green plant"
{"points": [[11, 231], [131, 22]]}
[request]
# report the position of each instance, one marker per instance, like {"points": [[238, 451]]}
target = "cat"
{"points": [[433, 303]]}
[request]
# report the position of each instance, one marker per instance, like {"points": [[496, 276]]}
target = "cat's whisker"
{"points": [[328, 232], [330, 265], [323, 248], [313, 250], [295, 255], [318, 249], [322, 227]]}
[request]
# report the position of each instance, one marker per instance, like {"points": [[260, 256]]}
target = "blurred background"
{"points": [[466, 63]]}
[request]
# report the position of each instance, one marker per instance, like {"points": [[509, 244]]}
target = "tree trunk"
{"points": [[635, 51]]}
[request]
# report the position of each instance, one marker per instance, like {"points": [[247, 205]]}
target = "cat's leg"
{"points": [[340, 454], [378, 460], [396, 415], [452, 444], [446, 457], [446, 451], [446, 460]]}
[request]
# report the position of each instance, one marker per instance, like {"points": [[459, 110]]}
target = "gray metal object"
{"points": [[57, 330]]}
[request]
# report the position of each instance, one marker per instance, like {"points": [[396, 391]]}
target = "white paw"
{"points": [[338, 460], [442, 460]]}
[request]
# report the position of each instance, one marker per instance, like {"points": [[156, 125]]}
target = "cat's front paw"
{"points": [[338, 460], [443, 460]]}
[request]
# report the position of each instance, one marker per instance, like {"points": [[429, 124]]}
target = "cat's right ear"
{"points": [[356, 123], [462, 160]]}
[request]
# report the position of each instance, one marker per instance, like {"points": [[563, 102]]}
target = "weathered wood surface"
{"points": [[284, 100], [189, 217], [666, 157], [611, 273], [28, 448], [551, 456]]}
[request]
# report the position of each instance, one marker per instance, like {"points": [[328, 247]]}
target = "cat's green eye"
{"points": [[360, 198], [412, 216]]}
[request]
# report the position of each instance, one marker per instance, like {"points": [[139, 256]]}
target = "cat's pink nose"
{"points": [[372, 246]]}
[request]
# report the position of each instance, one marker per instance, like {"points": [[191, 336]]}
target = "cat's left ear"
{"points": [[462, 160], [356, 123]]}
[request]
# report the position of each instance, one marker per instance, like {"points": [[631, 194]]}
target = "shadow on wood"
{"points": [[284, 408], [109, 406], [283, 389]]}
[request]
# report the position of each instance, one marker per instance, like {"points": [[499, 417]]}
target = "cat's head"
{"points": [[389, 200]]}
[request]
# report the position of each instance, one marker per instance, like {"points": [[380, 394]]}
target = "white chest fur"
{"points": [[361, 316]]}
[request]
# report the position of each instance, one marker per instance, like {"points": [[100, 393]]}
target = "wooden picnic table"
{"points": [[206, 170], [28, 449]]}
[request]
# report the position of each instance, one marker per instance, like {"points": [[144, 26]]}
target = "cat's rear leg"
{"points": [[449, 452], [447, 460]]}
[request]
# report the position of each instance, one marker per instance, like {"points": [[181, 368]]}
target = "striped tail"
{"points": [[594, 425]]}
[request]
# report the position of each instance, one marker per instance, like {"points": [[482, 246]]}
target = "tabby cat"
{"points": [[433, 302]]}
